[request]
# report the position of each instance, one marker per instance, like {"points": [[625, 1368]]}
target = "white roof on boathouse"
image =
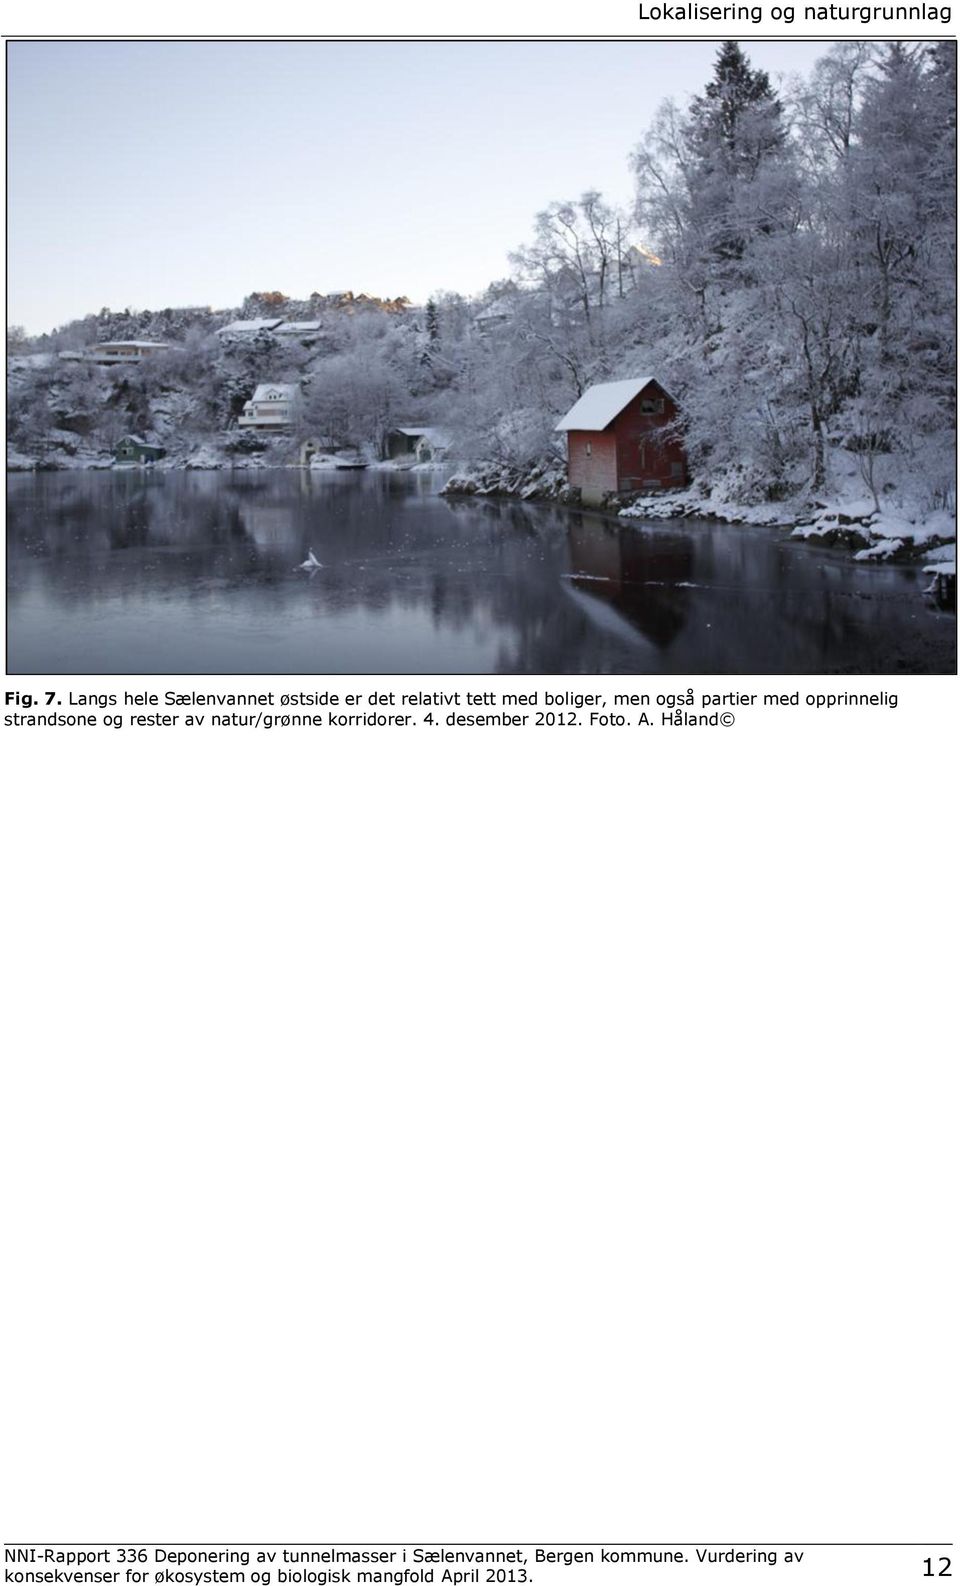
{"points": [[600, 405]]}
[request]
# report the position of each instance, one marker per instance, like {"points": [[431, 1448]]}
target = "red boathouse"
{"points": [[619, 440]]}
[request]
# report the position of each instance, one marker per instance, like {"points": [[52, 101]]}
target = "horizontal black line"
{"points": [[447, 38]]}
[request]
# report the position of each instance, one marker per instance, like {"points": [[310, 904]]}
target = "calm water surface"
{"points": [[136, 571]]}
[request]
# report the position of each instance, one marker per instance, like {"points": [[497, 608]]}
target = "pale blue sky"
{"points": [[155, 174]]}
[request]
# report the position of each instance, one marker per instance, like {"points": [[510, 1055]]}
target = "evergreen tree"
{"points": [[734, 95], [734, 130]]}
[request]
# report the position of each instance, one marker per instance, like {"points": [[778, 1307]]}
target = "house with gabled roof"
{"points": [[134, 449], [272, 407], [420, 443], [622, 438]]}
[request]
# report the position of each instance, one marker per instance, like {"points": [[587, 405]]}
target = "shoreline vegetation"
{"points": [[787, 271]]}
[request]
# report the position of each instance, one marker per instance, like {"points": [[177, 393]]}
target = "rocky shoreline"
{"points": [[855, 526]]}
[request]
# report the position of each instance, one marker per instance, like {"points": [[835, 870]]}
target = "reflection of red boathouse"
{"points": [[621, 438], [645, 578]]}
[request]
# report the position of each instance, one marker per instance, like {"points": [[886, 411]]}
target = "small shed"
{"points": [[134, 449], [421, 443], [621, 439]]}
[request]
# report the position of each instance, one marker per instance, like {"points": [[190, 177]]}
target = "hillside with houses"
{"points": [[272, 382], [786, 276]]}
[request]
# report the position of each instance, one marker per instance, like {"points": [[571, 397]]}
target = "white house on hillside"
{"points": [[305, 330], [272, 407], [124, 351], [246, 329], [494, 316]]}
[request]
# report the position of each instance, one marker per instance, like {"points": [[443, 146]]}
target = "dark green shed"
{"points": [[134, 449]]}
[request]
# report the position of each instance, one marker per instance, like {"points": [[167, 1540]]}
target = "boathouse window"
{"points": [[651, 405], [589, 448]]}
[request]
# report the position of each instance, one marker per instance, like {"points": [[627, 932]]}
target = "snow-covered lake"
{"points": [[147, 571]]}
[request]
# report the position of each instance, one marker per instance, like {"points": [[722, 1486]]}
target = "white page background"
{"points": [[481, 1134], [477, 1136]]}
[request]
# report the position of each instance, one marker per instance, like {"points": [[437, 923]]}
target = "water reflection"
{"points": [[644, 578], [136, 571]]}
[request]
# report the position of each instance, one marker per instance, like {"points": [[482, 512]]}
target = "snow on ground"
{"points": [[882, 551], [546, 482], [718, 501], [30, 360], [838, 517]]}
